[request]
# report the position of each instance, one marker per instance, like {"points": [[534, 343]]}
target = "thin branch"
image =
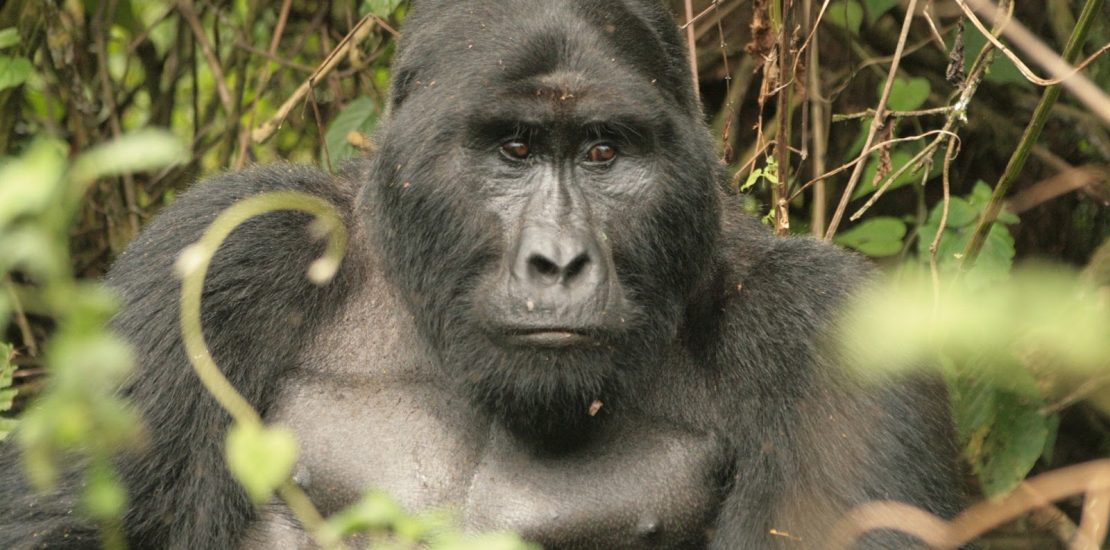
{"points": [[1061, 68], [1014, 167], [107, 92], [934, 271], [691, 20], [819, 130], [300, 67], [185, 7], [927, 15], [692, 46], [784, 110], [892, 177], [895, 114], [876, 122], [263, 81], [1062, 183], [21, 318], [192, 266], [1021, 66], [858, 159], [267, 129], [1091, 478], [1087, 388]]}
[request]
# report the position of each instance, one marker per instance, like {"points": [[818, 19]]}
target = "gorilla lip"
{"points": [[554, 337]]}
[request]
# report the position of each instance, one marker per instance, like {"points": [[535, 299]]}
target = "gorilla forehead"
{"points": [[569, 47]]}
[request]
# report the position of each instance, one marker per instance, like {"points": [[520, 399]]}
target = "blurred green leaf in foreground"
{"points": [[79, 411], [1009, 350]]}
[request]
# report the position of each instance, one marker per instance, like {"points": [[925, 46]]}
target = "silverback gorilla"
{"points": [[543, 229]]}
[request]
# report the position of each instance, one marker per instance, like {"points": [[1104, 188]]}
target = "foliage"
{"points": [[13, 70], [377, 512], [992, 341], [79, 412], [7, 393], [261, 458]]}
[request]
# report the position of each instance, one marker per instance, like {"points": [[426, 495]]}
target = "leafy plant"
{"points": [[79, 412], [7, 393]]}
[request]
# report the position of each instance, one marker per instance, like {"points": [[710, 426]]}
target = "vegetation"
{"points": [[898, 129]]}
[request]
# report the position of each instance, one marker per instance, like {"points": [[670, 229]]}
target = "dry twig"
{"points": [[267, 129], [876, 122], [1091, 479]]}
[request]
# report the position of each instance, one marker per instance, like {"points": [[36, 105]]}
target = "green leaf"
{"points": [[9, 37], [104, 496], [981, 195], [753, 178], [845, 13], [7, 425], [876, 8], [360, 115], [30, 184], [7, 369], [375, 511], [13, 71], [261, 458], [382, 8], [995, 258], [7, 396], [997, 255], [134, 152], [1002, 70], [1014, 443], [961, 213], [907, 94], [973, 412], [876, 237], [7, 351]]}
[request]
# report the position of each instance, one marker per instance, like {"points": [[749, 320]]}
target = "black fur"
{"points": [[723, 414]]}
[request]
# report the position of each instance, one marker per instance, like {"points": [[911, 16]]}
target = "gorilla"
{"points": [[552, 317]]}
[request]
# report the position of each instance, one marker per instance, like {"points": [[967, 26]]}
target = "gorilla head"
{"points": [[556, 202]]}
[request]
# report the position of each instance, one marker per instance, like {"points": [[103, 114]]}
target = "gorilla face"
{"points": [[554, 204]]}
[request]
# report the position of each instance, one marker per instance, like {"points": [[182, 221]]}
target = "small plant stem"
{"points": [[783, 110], [1087, 17], [193, 264], [21, 318], [692, 46], [308, 515], [818, 127]]}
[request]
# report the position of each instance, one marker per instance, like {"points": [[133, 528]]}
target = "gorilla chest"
{"points": [[635, 484]]}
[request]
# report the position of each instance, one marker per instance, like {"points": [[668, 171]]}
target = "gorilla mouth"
{"points": [[549, 337]]}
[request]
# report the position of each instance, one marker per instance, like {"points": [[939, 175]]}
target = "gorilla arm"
{"points": [[258, 310], [811, 439]]}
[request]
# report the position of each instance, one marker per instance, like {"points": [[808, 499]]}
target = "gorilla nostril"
{"points": [[543, 269], [576, 267]]}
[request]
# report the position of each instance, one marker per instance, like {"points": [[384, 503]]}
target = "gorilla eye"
{"points": [[601, 153], [516, 149]]}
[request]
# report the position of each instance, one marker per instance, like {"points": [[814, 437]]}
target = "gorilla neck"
{"points": [[551, 398]]}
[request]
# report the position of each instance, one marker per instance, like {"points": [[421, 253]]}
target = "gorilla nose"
{"points": [[548, 272], [549, 258]]}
